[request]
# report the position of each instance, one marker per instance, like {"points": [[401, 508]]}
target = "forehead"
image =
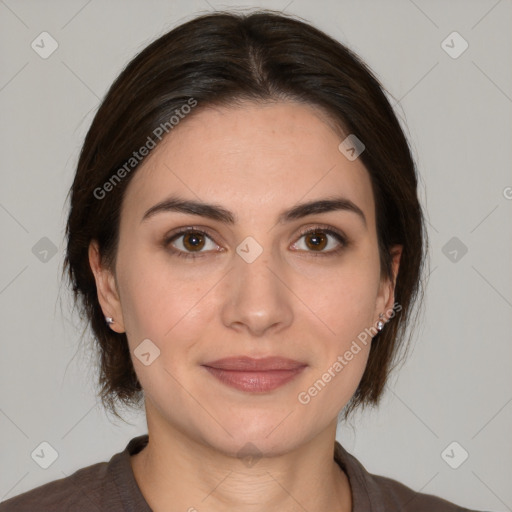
{"points": [[254, 159]]}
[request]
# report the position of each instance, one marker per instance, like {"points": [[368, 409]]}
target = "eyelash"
{"points": [[340, 237]]}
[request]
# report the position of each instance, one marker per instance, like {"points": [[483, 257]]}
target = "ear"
{"points": [[386, 295], [106, 286]]}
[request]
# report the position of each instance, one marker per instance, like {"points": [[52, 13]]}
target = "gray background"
{"points": [[456, 384]]}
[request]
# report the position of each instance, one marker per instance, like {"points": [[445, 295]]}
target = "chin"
{"points": [[244, 445], [255, 435]]}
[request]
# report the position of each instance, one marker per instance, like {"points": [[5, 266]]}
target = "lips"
{"points": [[244, 363], [254, 375]]}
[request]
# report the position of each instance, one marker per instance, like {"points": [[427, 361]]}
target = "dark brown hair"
{"points": [[218, 59]]}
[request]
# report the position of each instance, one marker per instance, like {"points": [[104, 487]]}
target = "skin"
{"points": [[256, 161]]}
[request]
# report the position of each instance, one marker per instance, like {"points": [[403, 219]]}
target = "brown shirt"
{"points": [[111, 486]]}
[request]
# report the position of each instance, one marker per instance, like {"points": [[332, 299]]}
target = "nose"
{"points": [[257, 297]]}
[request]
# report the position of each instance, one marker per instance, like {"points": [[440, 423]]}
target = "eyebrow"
{"points": [[218, 213]]}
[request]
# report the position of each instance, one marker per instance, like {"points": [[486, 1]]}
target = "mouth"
{"points": [[255, 375]]}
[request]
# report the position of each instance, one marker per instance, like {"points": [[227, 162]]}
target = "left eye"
{"points": [[316, 240]]}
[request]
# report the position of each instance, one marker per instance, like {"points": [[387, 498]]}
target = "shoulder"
{"points": [[85, 489], [375, 492], [395, 494], [104, 486]]}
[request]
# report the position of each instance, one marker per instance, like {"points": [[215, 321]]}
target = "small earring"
{"points": [[380, 323], [109, 320]]}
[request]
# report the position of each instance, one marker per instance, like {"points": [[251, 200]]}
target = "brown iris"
{"points": [[318, 240], [193, 241]]}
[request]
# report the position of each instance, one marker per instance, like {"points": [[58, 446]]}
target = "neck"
{"points": [[175, 469]]}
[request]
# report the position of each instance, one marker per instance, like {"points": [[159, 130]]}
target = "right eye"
{"points": [[189, 242]]}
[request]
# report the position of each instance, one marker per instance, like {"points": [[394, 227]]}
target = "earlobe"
{"points": [[106, 287]]}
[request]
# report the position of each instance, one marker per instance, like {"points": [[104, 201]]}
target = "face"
{"points": [[259, 277]]}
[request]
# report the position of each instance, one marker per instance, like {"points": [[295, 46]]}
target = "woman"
{"points": [[246, 241]]}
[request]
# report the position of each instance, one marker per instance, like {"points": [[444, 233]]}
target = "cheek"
{"points": [[158, 298], [345, 297]]}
